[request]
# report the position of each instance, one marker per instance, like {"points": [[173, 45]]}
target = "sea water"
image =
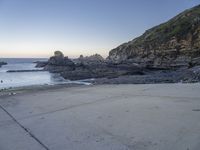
{"points": [[19, 79]]}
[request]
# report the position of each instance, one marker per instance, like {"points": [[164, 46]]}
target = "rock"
{"points": [[90, 60], [115, 73], [2, 63], [196, 72], [12, 71], [173, 44], [161, 76], [167, 53], [93, 66], [58, 63], [41, 64], [94, 70], [58, 54], [77, 74]]}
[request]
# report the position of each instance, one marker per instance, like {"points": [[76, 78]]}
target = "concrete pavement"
{"points": [[104, 117]]}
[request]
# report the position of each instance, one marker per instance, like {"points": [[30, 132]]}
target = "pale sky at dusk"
{"points": [[36, 28]]}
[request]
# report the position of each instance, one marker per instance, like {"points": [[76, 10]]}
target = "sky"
{"points": [[37, 28]]}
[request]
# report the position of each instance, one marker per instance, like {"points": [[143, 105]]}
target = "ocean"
{"points": [[20, 79]]}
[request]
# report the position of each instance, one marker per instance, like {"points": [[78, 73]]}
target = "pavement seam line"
{"points": [[25, 129]]}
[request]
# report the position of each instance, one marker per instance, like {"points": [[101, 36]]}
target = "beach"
{"points": [[101, 117]]}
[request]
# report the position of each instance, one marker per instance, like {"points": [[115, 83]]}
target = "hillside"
{"points": [[175, 43]]}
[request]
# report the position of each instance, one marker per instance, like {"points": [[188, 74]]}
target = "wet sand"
{"points": [[102, 117]]}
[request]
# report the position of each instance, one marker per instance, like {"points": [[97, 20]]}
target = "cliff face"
{"points": [[175, 43]]}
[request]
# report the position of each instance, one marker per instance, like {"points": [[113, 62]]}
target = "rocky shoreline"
{"points": [[179, 76], [93, 66], [167, 53], [106, 72]]}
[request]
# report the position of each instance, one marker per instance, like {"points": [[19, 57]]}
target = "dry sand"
{"points": [[102, 117]]}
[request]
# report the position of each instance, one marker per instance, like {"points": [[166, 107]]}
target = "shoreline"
{"points": [[36, 88], [39, 88]]}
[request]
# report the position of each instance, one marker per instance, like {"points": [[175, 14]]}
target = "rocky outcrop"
{"points": [[88, 67], [2, 63], [58, 63], [59, 60], [118, 73], [168, 53], [173, 44], [90, 60], [183, 75], [99, 71]]}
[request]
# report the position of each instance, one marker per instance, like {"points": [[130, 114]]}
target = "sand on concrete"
{"points": [[103, 117]]}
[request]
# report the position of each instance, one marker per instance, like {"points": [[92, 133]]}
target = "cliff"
{"points": [[175, 43]]}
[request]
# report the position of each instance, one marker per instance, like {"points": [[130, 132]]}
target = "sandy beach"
{"points": [[102, 117]]}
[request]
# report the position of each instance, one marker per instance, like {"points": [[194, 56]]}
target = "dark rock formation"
{"points": [[90, 60], [58, 54], [58, 63], [98, 71], [59, 60], [160, 76], [2, 63], [41, 64], [173, 44], [95, 66], [12, 71], [88, 67]]}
